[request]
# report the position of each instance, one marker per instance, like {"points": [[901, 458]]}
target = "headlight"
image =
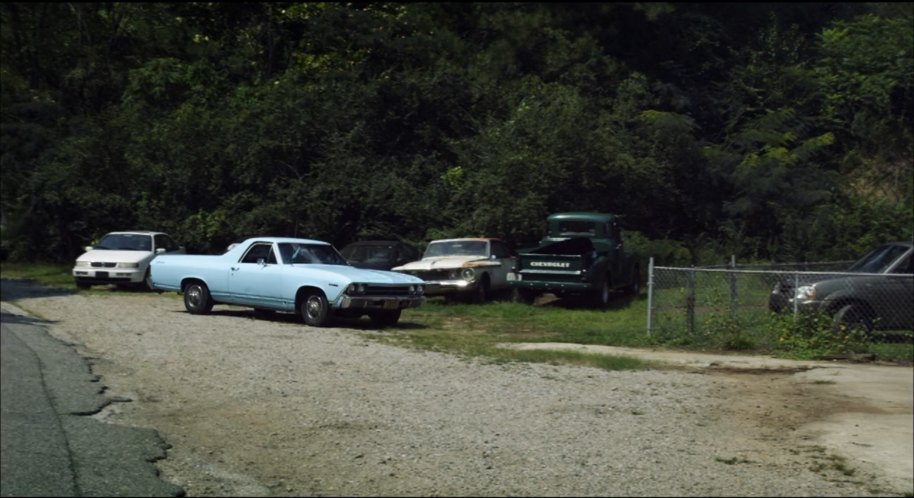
{"points": [[806, 293], [128, 265], [83, 264], [355, 289], [468, 274]]}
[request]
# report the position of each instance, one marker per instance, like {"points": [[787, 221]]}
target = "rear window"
{"points": [[575, 227]]}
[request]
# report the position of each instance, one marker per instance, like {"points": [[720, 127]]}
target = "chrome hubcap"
{"points": [[314, 306], [193, 296]]}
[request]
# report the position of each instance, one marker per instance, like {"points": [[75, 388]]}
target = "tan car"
{"points": [[471, 269]]}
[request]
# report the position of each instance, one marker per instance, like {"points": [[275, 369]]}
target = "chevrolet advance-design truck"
{"points": [[582, 254]]}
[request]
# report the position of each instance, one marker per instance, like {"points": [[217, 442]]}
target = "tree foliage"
{"points": [[775, 131]]}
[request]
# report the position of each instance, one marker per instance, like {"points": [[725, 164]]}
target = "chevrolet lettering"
{"points": [[550, 264]]}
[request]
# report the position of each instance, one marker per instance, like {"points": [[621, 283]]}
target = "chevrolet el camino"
{"points": [[306, 276]]}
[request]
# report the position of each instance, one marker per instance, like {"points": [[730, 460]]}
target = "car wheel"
{"points": [[197, 299], [387, 318], [601, 299], [146, 284], [523, 296], [481, 293], [635, 288], [315, 310], [853, 319]]}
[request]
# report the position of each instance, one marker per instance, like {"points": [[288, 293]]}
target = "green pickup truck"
{"points": [[582, 254]]}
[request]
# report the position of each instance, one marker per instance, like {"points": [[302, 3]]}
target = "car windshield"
{"points": [[456, 248], [363, 253], [314, 254], [879, 259], [125, 242]]}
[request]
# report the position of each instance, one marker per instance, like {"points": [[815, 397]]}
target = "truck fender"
{"points": [[598, 268]]}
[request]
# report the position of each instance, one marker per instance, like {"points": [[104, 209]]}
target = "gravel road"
{"points": [[270, 407]]}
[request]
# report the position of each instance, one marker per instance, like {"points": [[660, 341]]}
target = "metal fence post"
{"points": [[690, 301], [650, 293], [796, 287], [732, 287]]}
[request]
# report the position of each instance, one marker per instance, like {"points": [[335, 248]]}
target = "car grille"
{"points": [[96, 264], [385, 290], [435, 275]]}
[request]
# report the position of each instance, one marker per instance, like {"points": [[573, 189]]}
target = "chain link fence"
{"points": [[744, 305]]}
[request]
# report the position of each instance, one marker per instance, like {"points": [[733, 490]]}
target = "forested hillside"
{"points": [[772, 131]]}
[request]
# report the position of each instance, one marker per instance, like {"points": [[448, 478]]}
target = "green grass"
{"points": [[56, 276], [476, 331]]}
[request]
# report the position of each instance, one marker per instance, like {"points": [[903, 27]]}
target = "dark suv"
{"points": [[876, 292]]}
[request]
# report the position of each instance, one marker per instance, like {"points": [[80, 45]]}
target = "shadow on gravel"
{"points": [[363, 323], [24, 320]]}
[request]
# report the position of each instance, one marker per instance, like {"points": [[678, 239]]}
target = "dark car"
{"points": [[379, 254], [876, 292]]}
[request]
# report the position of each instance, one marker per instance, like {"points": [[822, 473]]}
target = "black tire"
{"points": [[523, 296], [386, 318], [315, 310], [601, 298], [146, 284], [852, 318], [481, 293], [634, 289], [197, 299]]}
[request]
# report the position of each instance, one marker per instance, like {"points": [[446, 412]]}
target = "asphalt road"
{"points": [[50, 445]]}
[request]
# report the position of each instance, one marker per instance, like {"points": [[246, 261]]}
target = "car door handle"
{"points": [[234, 268]]}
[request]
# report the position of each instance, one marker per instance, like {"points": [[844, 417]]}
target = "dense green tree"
{"points": [[761, 130]]}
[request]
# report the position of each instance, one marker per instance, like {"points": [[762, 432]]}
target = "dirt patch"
{"points": [[851, 418]]}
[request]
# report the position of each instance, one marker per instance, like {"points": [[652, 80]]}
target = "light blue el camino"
{"points": [[306, 276]]}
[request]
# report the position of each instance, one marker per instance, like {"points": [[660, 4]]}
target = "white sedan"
{"points": [[122, 258]]}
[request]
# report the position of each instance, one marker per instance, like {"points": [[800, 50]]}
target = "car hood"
{"points": [[445, 263], [106, 255], [353, 274]]}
